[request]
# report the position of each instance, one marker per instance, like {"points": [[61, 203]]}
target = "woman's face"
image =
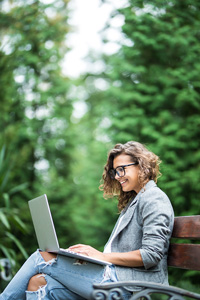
{"points": [[129, 181]]}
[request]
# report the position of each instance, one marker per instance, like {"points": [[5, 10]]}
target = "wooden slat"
{"points": [[187, 227], [184, 256]]}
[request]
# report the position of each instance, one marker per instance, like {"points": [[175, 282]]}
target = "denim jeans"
{"points": [[66, 279]]}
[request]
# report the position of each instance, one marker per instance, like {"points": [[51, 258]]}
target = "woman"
{"points": [[137, 247]]}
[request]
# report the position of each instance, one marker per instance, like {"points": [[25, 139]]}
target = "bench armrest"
{"points": [[113, 291]]}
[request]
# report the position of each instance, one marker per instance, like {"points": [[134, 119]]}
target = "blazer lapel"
{"points": [[129, 209], [128, 212], [127, 215]]}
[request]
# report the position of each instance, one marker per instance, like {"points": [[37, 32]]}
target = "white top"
{"points": [[109, 272], [108, 246]]}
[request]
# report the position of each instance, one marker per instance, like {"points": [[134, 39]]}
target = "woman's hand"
{"points": [[126, 259], [87, 250]]}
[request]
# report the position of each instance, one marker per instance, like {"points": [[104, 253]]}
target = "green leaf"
{"points": [[4, 220], [20, 223], [18, 244], [19, 188]]}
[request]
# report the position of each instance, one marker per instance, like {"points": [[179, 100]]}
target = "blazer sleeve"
{"points": [[156, 217]]}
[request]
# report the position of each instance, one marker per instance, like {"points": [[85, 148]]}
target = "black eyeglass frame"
{"points": [[113, 172]]}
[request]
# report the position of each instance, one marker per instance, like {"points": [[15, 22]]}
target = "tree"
{"points": [[35, 108], [154, 90], [153, 93], [11, 223]]}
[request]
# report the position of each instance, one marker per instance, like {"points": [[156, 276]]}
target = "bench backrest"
{"points": [[184, 255]]}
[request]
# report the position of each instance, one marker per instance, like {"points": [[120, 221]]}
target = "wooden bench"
{"points": [[180, 255]]}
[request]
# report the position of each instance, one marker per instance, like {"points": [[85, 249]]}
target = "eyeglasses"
{"points": [[120, 171]]}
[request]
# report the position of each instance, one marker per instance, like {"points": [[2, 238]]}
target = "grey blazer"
{"points": [[146, 225]]}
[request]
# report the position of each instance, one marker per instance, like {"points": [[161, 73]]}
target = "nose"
{"points": [[117, 176]]}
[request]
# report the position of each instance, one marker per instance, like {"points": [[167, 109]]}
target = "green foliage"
{"points": [[35, 109], [153, 94], [154, 91], [10, 221], [149, 92], [92, 215], [184, 279]]}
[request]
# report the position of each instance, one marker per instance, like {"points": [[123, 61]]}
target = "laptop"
{"points": [[46, 234]]}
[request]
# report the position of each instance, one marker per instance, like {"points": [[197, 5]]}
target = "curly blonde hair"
{"points": [[148, 164]]}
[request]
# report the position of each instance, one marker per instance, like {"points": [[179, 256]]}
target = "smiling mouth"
{"points": [[122, 182]]}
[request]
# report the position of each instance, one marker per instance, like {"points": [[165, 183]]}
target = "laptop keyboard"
{"points": [[69, 251]]}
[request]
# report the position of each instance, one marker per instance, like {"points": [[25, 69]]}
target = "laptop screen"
{"points": [[43, 224]]}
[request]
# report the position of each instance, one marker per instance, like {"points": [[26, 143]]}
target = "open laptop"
{"points": [[46, 234]]}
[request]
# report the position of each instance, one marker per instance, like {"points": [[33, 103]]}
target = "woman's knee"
{"points": [[47, 256], [36, 282]]}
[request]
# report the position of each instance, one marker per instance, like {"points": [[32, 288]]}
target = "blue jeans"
{"points": [[66, 280]]}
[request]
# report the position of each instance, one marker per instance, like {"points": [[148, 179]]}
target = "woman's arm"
{"points": [[126, 259]]}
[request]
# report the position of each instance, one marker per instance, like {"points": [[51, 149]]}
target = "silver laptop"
{"points": [[46, 234]]}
